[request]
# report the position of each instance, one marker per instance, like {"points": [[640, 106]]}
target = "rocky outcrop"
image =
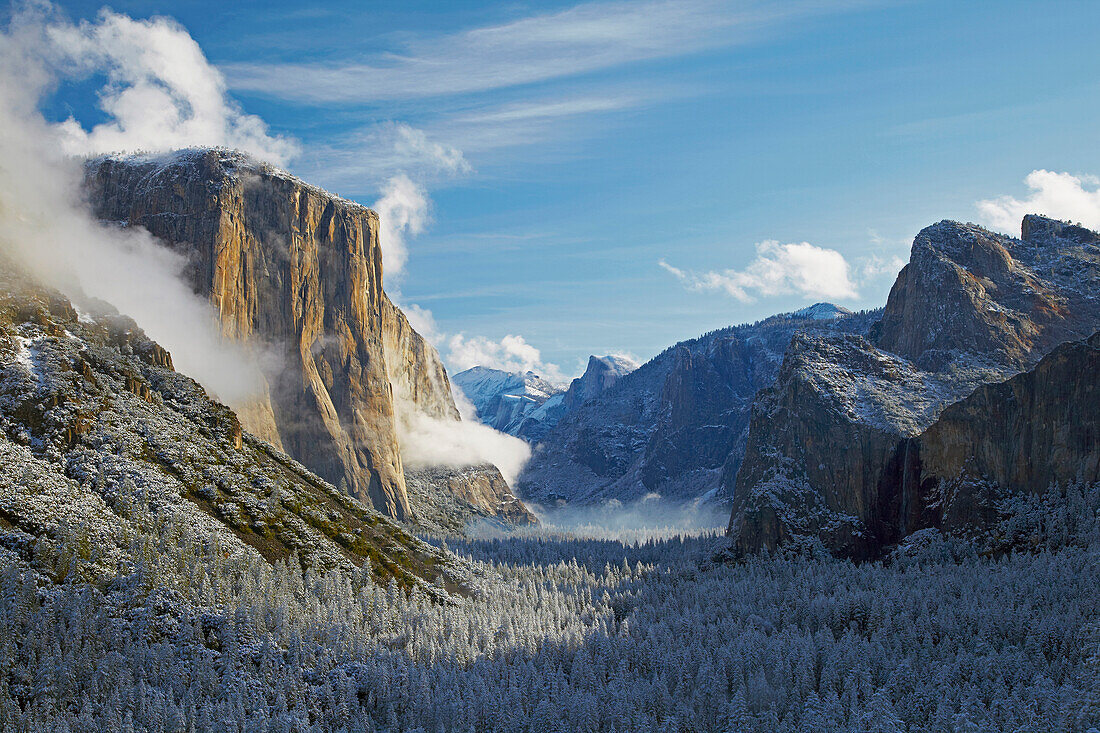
{"points": [[834, 448], [601, 374], [968, 293], [1020, 435], [472, 493], [296, 273], [674, 426]]}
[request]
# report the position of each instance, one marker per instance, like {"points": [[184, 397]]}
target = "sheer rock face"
{"points": [[297, 273], [1023, 434], [414, 367], [834, 448]]}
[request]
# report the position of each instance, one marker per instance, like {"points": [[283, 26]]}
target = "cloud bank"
{"points": [[402, 211], [511, 354], [45, 228], [778, 269], [1058, 195], [429, 441], [161, 93]]}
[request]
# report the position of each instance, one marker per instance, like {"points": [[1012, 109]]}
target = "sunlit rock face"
{"points": [[297, 273], [847, 445], [969, 293]]}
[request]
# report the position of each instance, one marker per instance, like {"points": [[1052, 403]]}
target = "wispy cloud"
{"points": [[547, 109], [160, 93], [439, 153], [778, 269], [1060, 195], [511, 354], [587, 38]]}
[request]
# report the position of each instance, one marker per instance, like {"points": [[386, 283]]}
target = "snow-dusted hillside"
{"points": [[100, 436]]}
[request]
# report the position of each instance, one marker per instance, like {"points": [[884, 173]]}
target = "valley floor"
{"points": [[567, 635]]}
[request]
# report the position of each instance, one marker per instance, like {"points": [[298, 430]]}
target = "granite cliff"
{"points": [[297, 274], [832, 444], [1021, 435]]}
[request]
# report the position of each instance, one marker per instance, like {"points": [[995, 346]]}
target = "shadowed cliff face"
{"points": [[1023, 434], [837, 449]]}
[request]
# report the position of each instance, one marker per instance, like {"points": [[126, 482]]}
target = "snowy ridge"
{"points": [[235, 162], [821, 312], [526, 405], [511, 402]]}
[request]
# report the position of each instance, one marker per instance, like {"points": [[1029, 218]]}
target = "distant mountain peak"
{"points": [[822, 312], [525, 404]]}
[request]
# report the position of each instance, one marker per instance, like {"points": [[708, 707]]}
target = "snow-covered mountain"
{"points": [[822, 312], [528, 406], [516, 403], [603, 373], [673, 425]]}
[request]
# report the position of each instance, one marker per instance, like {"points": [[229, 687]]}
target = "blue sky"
{"points": [[564, 150]]}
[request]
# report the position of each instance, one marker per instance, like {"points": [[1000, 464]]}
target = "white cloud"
{"points": [[430, 441], [582, 39], [45, 228], [875, 266], [161, 93], [423, 322], [402, 211], [1058, 195], [366, 159], [511, 354], [779, 269]]}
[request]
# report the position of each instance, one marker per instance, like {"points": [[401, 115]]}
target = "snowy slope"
{"points": [[511, 402]]}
